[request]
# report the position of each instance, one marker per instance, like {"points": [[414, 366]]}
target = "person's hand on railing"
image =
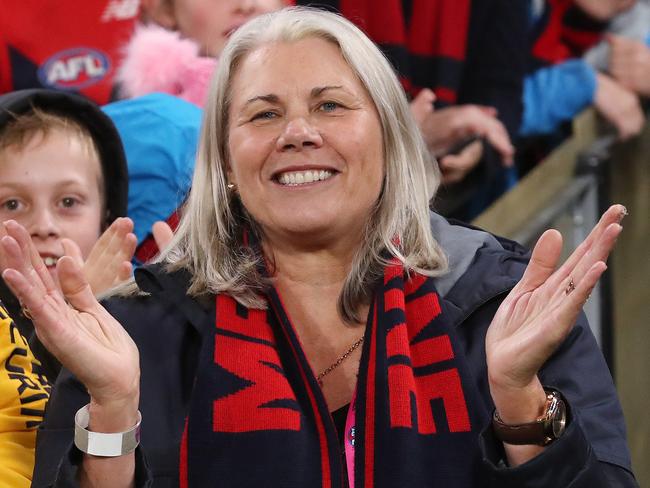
{"points": [[629, 63], [619, 106], [446, 127], [536, 317]]}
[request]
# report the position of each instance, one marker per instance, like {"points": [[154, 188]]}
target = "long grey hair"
{"points": [[208, 241]]}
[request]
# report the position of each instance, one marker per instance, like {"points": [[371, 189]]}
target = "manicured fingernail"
{"points": [[623, 213]]}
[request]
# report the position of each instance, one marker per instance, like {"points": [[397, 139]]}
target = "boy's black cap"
{"points": [[98, 124]]}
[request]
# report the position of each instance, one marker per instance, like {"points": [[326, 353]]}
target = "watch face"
{"points": [[559, 420]]}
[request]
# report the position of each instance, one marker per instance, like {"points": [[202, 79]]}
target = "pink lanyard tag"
{"points": [[349, 440]]}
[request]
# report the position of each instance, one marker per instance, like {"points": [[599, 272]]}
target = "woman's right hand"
{"points": [[76, 329]]}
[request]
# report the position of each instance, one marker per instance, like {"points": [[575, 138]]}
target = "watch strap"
{"points": [[104, 444], [542, 431]]}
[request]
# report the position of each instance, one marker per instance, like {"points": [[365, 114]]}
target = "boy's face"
{"points": [[51, 186]]}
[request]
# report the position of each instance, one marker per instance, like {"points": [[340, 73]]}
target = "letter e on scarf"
{"points": [[406, 359]]}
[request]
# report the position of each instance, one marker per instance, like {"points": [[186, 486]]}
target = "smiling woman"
{"points": [[315, 325], [340, 111], [302, 127]]}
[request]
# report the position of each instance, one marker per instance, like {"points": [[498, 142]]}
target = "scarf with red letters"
{"points": [[258, 417], [425, 40]]}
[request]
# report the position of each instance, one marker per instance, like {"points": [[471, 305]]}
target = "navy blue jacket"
{"points": [[167, 325]]}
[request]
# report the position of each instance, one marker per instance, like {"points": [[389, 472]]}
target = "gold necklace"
{"points": [[338, 361]]}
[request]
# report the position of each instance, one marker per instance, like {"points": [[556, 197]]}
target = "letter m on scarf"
{"points": [[245, 347]]}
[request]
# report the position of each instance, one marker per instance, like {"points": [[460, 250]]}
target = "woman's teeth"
{"points": [[301, 177], [50, 261]]}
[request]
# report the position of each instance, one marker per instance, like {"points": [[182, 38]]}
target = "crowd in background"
{"points": [[493, 85]]}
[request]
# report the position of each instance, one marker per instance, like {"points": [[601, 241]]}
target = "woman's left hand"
{"points": [[538, 314]]}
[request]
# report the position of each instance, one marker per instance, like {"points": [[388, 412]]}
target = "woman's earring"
{"points": [[232, 187]]}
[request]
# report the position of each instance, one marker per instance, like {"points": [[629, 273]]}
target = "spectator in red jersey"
{"points": [[71, 46]]}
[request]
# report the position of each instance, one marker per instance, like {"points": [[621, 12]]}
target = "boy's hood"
{"points": [[100, 127]]}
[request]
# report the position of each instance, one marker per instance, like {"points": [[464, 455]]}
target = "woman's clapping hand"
{"points": [[71, 323], [536, 317], [539, 313]]}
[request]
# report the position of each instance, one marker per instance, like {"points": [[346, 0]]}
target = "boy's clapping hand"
{"points": [[109, 261]]}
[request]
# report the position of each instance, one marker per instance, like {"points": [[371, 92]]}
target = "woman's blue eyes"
{"points": [[264, 115], [329, 106], [269, 114]]}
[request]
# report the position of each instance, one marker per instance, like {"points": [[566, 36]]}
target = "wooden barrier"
{"points": [[514, 210]]}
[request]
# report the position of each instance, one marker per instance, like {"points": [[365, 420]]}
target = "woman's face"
{"points": [[305, 143], [210, 22]]}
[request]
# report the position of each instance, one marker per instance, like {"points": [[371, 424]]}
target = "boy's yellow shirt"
{"points": [[24, 392]]}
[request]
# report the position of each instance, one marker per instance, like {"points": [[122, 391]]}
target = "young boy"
{"points": [[63, 176]]}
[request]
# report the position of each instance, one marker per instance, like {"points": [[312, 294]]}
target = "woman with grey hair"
{"points": [[311, 323]]}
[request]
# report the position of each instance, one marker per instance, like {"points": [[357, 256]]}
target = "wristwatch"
{"points": [[542, 431]]}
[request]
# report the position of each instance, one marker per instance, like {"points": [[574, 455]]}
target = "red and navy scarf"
{"points": [[563, 32], [426, 40], [258, 417]]}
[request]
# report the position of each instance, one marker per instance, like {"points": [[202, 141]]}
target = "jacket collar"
{"points": [[481, 266]]}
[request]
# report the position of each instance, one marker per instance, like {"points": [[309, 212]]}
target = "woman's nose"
{"points": [[299, 134]]}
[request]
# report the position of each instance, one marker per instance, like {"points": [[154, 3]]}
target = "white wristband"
{"points": [[105, 445]]}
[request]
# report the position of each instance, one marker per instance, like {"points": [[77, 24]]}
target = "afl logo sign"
{"points": [[74, 69]]}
